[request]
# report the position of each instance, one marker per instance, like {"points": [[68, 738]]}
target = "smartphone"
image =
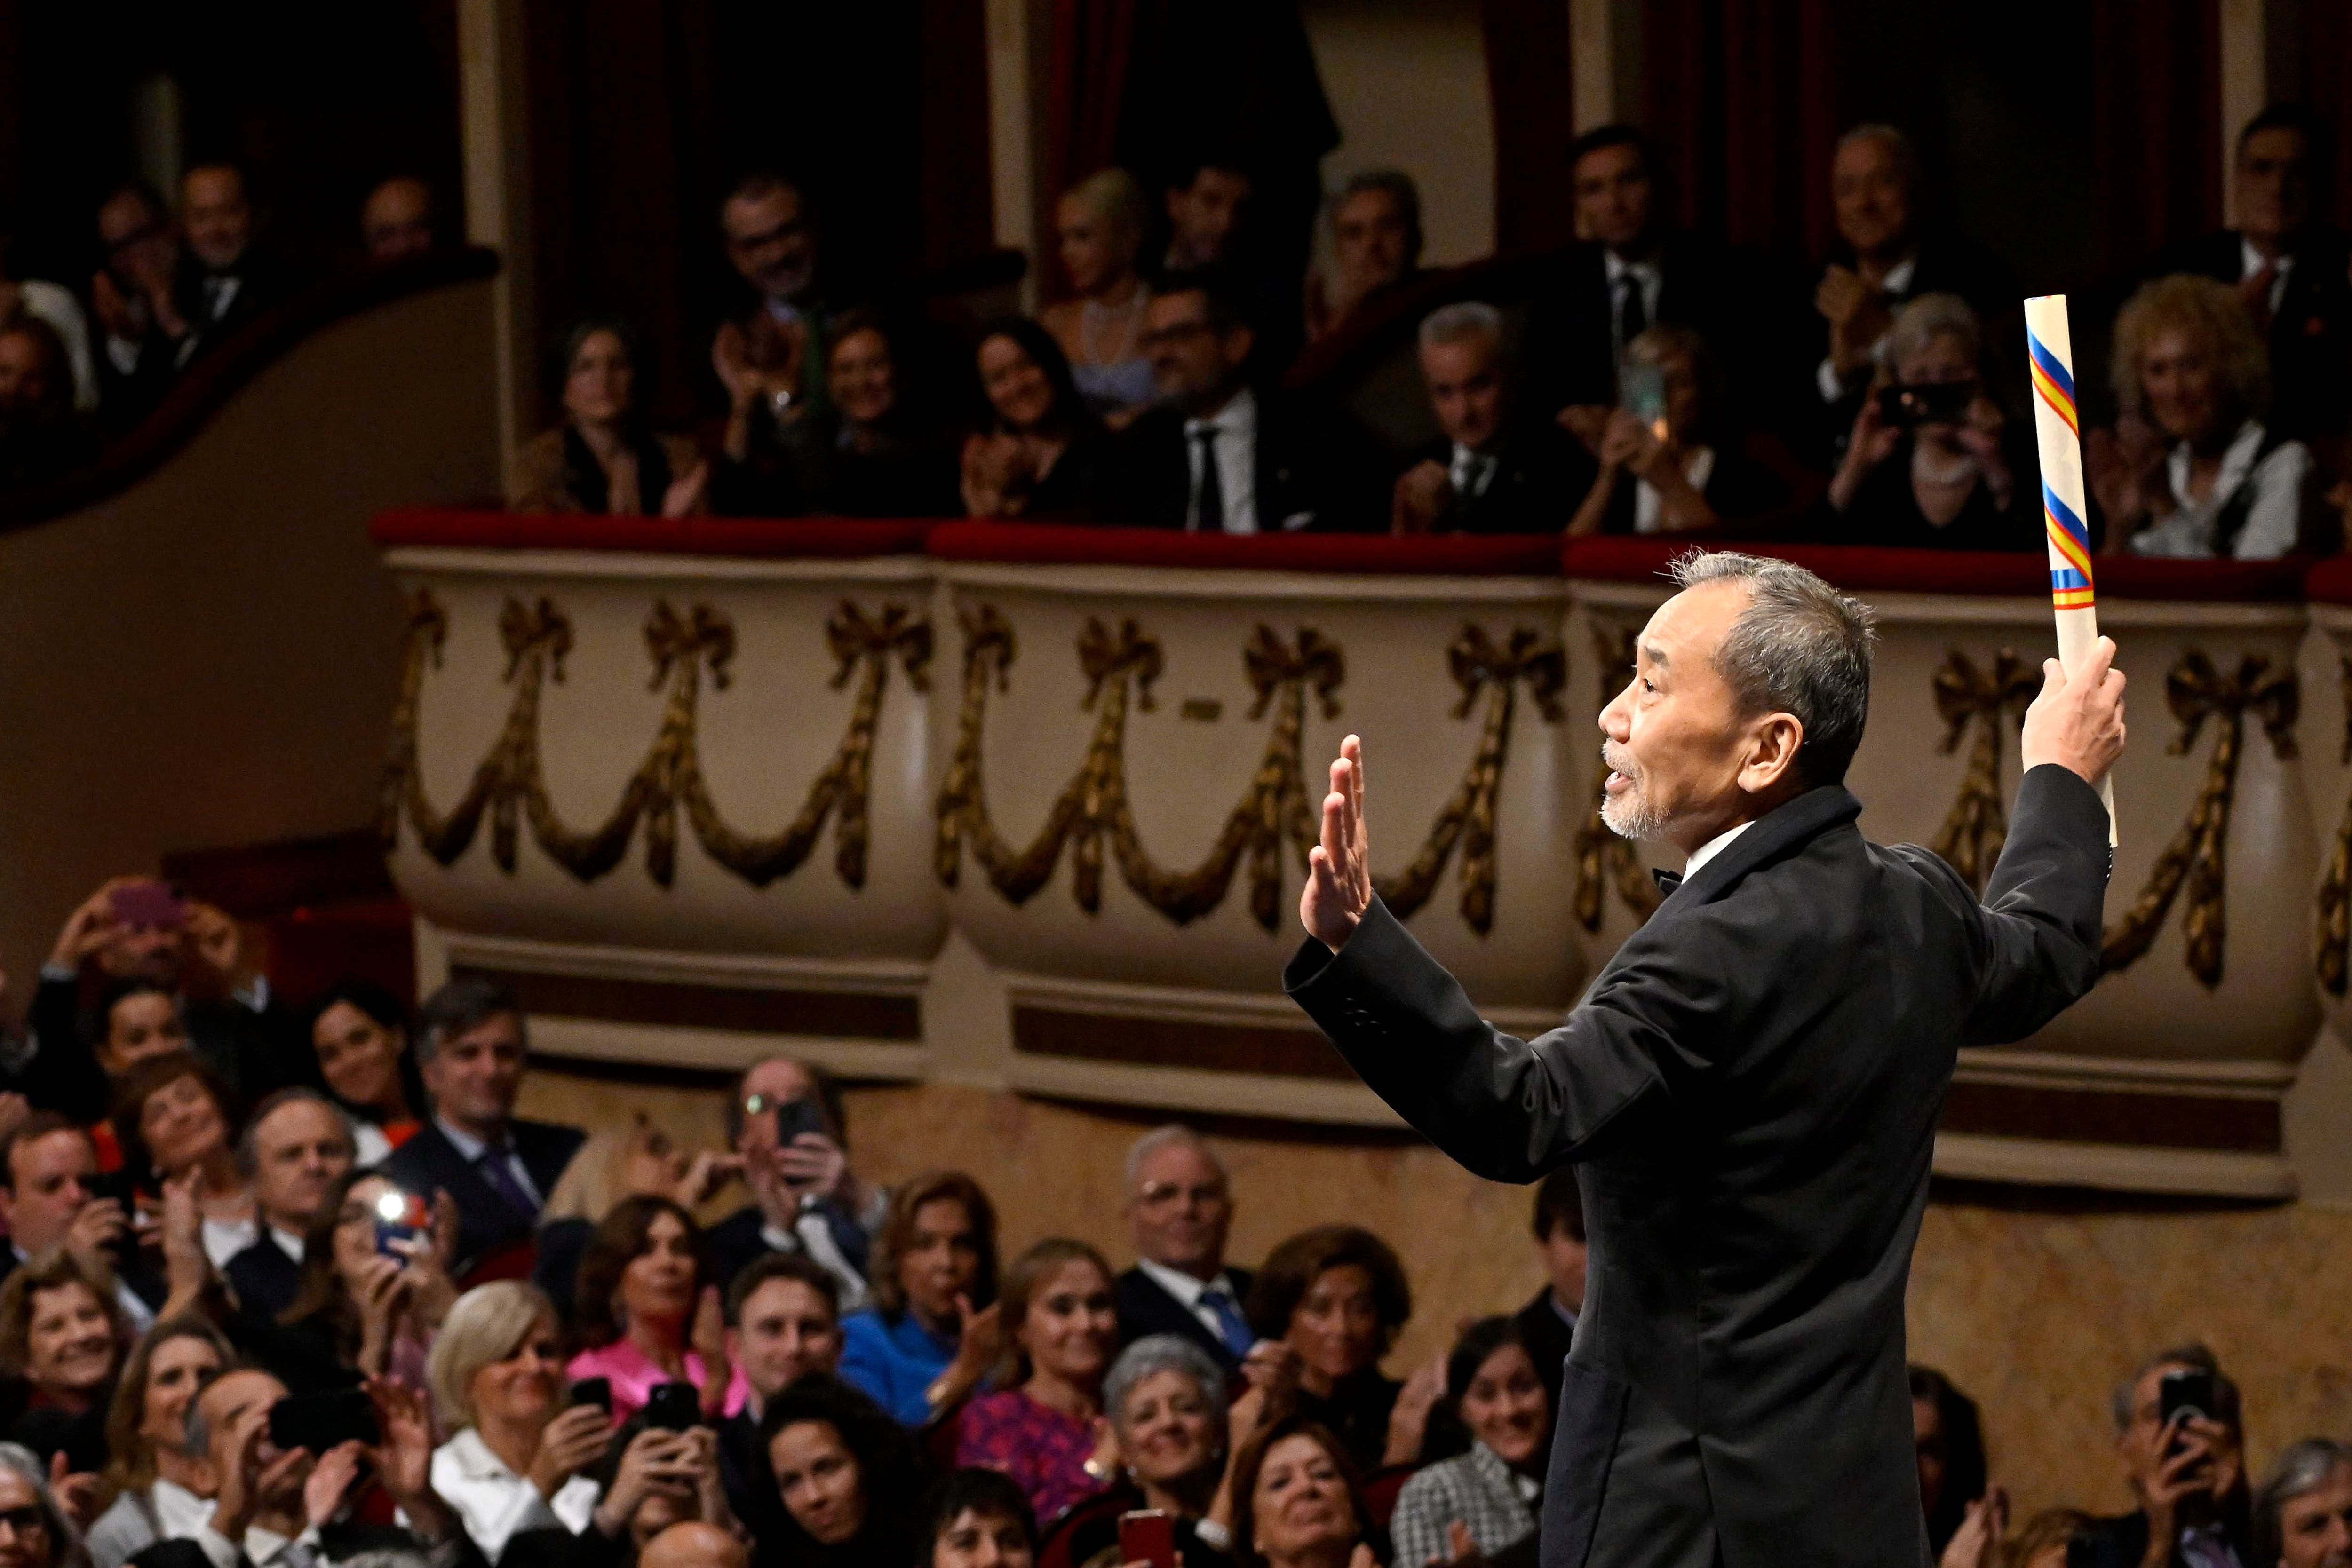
{"points": [[674, 1407], [399, 1217], [1148, 1535], [597, 1391], [2182, 1391], [148, 905], [1926, 402], [321, 1421], [794, 1117], [1642, 393]]}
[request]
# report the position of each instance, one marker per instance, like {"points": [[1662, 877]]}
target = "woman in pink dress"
{"points": [[646, 1308], [1043, 1424]]}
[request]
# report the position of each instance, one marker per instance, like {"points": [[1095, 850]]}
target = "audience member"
{"points": [[42, 434], [847, 1474], [1099, 228], [603, 458], [498, 1168], [693, 1544], [1932, 463], [1297, 1502], [1207, 209], [1666, 463], [1038, 451], [1216, 457], [646, 1310], [2046, 1541], [173, 1120], [2191, 468], [779, 350], [2303, 1514], [977, 1519], [1481, 1505], [2288, 265], [160, 1484], [652, 1479], [929, 1334], [516, 1458], [397, 221], [55, 305], [372, 1291], [2186, 1468], [49, 1202], [784, 1323], [806, 1196], [1949, 1444], [1491, 471], [1375, 246], [636, 1161], [62, 1338], [294, 1150], [38, 1516], [874, 460], [1164, 1398], [1548, 1324], [1040, 1425], [1336, 1295], [232, 279], [135, 297], [359, 1032], [1180, 1208]]}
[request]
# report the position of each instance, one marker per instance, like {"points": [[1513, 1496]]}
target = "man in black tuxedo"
{"points": [[296, 1144], [1548, 1324], [1749, 1089], [1489, 472], [1179, 1205], [496, 1167], [1217, 457], [228, 279]]}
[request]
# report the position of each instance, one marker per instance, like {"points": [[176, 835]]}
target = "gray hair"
{"points": [[464, 1003], [1153, 1354], [1799, 647], [2304, 1468], [249, 1143], [1394, 184], [1898, 141], [1168, 1136], [2197, 1357], [1461, 321], [66, 1547], [1925, 319]]}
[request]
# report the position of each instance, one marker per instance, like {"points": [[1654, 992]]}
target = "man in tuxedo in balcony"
{"points": [[1216, 455], [1489, 470], [496, 1167], [1748, 1092], [295, 1147], [229, 279], [1179, 1208]]}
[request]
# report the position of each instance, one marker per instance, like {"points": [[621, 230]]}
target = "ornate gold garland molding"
{"points": [[2333, 936]]}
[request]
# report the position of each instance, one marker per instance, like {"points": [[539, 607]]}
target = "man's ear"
{"points": [[1773, 743], [1239, 341]]}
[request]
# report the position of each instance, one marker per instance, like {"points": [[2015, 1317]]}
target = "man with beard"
{"points": [[1749, 1089], [779, 348]]}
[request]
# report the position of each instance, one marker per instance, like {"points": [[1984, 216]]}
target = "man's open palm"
{"points": [[1339, 868]]}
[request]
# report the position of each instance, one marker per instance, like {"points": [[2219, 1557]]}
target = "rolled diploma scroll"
{"points": [[2050, 351]]}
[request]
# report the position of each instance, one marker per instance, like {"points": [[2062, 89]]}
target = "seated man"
{"points": [[135, 296], [396, 219], [805, 1196], [1375, 246], [295, 1147], [1548, 1324], [1208, 213], [2188, 1472], [1179, 1207], [1216, 457], [1489, 473], [496, 1167], [49, 1201], [784, 1321], [232, 280]]}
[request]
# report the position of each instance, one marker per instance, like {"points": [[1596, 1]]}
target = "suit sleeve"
{"points": [[1509, 1109], [2039, 929]]}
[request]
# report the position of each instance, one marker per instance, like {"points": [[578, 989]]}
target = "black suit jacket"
{"points": [[1548, 1337], [1541, 474], [486, 1221], [1749, 1092], [1571, 345], [1946, 264], [2122, 1542], [1315, 469], [2311, 330], [1145, 1309], [265, 1279], [258, 1052]]}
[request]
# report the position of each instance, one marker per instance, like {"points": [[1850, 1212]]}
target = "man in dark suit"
{"points": [[1179, 1207], [2188, 1474], [806, 1197], [296, 1147], [1749, 1089], [495, 1168], [1548, 1324], [51, 1198], [1216, 455], [1489, 472], [228, 279]]}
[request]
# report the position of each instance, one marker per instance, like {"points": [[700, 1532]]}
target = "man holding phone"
{"points": [[2178, 1434], [786, 1125]]}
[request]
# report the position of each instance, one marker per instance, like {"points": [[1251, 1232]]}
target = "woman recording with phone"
{"points": [[647, 1308], [374, 1290], [1933, 463]]}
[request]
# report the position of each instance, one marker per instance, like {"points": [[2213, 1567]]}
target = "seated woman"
{"points": [[1036, 453], [848, 1475], [1337, 1296], [1061, 1329], [636, 1161], [603, 458], [2191, 469], [1098, 227], [1297, 1504], [930, 1335], [646, 1310], [62, 1337], [1691, 476], [160, 1487], [1933, 463], [1488, 1497], [175, 1120], [367, 1304], [977, 1519], [515, 1462], [861, 453], [1165, 1401], [359, 1032]]}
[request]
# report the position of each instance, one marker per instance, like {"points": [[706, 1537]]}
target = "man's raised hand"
{"points": [[2077, 722], [1339, 868]]}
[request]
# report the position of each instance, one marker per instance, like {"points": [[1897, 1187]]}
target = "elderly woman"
{"points": [[1487, 1497], [1165, 1400], [363, 1306], [647, 1308], [1061, 1328], [1297, 1504], [42, 1534], [174, 1120], [977, 1519], [1099, 228], [359, 1032], [848, 1475], [1678, 472], [2191, 469], [62, 1337], [602, 457], [929, 1336], [159, 1485], [1932, 461], [2303, 1513], [514, 1463], [1337, 1296], [1036, 455]]}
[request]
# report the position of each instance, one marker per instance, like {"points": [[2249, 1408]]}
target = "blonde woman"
{"points": [[1098, 227]]}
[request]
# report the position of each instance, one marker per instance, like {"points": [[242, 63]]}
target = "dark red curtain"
{"points": [[2155, 112], [959, 214], [1529, 80], [2327, 50], [1091, 50]]}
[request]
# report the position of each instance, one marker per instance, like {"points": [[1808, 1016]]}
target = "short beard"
{"points": [[1630, 816]]}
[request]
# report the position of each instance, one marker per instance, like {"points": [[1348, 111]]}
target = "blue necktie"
{"points": [[501, 1176], [1231, 1327]]}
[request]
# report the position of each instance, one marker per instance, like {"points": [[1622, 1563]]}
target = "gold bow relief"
{"points": [[1278, 807], [1603, 860], [2195, 692], [1993, 701], [509, 783], [2335, 924]]}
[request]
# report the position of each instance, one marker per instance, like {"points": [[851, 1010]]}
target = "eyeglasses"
{"points": [[1162, 1194], [24, 1520]]}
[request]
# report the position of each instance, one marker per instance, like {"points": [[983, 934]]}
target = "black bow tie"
{"points": [[1667, 881]]}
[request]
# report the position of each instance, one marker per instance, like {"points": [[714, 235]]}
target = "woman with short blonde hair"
{"points": [[1098, 227]]}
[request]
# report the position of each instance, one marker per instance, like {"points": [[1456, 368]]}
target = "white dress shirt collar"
{"points": [[1187, 1290], [1236, 451], [1712, 848]]}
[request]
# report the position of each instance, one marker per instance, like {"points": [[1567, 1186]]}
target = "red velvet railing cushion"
{"points": [[1454, 555], [2330, 581]]}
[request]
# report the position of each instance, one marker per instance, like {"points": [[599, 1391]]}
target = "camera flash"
{"points": [[390, 1206]]}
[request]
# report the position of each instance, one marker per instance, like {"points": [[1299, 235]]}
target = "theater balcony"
{"points": [[1028, 806]]}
